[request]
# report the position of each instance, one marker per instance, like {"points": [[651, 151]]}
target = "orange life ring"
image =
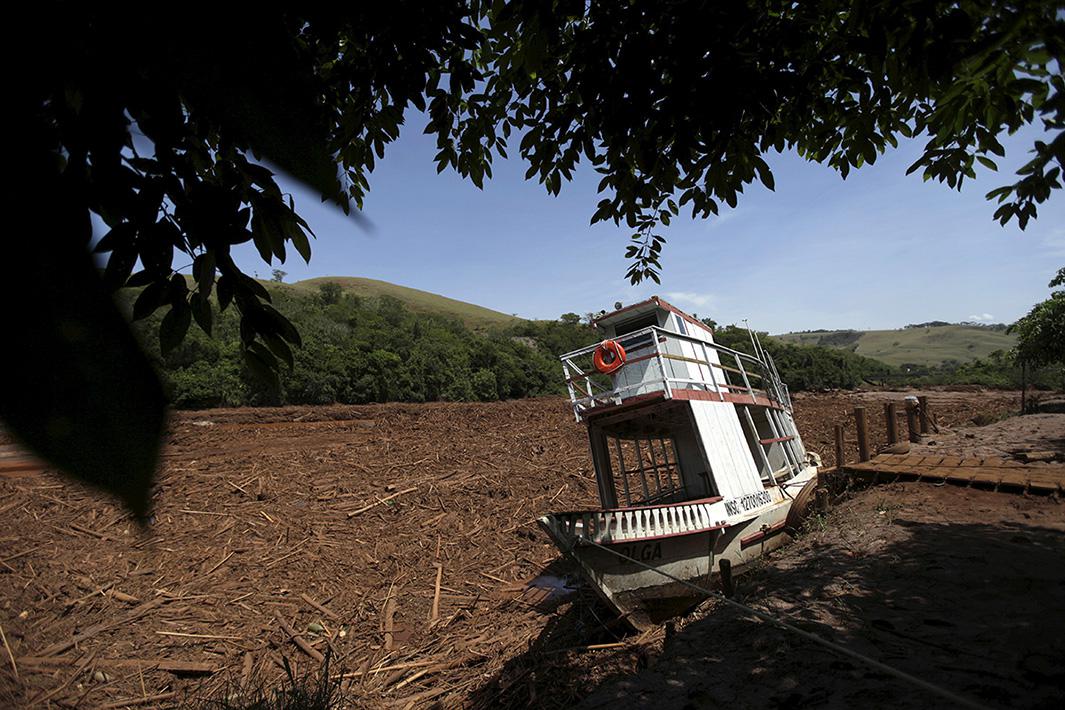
{"points": [[609, 357]]}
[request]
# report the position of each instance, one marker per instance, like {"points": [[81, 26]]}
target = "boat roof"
{"points": [[643, 308]]}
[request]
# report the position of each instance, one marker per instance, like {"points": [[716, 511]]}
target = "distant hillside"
{"points": [[417, 301], [929, 345]]}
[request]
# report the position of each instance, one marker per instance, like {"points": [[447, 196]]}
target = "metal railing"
{"points": [[589, 389], [618, 525]]}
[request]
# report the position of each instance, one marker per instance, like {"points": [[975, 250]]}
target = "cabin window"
{"points": [[645, 470], [631, 326], [640, 342], [682, 327]]}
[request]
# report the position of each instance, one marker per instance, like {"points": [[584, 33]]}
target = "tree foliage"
{"points": [[361, 350], [676, 103], [1041, 333], [161, 129]]}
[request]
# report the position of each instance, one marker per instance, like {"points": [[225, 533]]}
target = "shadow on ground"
{"points": [[976, 608]]}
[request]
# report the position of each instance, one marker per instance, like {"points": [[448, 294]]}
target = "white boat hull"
{"points": [[618, 568]]}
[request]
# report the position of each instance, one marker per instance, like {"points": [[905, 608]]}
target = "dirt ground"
{"points": [[961, 587], [335, 523]]}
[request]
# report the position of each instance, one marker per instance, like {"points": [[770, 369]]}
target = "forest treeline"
{"points": [[359, 350]]}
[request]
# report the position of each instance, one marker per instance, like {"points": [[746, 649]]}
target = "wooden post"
{"points": [[724, 567], [891, 415], [911, 422], [839, 446], [863, 436], [1024, 386], [922, 412]]}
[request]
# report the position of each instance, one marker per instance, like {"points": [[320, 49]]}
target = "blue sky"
{"points": [[878, 250]]}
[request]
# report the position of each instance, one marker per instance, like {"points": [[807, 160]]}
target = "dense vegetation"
{"points": [[358, 350], [805, 367], [1000, 369]]}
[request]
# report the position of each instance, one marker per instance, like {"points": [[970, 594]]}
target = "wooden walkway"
{"points": [[996, 473]]}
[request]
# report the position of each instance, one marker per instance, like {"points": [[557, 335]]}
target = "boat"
{"points": [[697, 460]]}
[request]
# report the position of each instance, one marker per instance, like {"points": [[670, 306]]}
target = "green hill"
{"points": [[930, 345], [417, 301]]}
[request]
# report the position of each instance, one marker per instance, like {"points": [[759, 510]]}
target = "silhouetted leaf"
{"points": [[174, 326], [76, 388]]}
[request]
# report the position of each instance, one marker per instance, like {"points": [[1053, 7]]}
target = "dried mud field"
{"points": [[400, 539]]}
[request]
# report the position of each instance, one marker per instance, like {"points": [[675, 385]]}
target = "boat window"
{"points": [[639, 323], [645, 470], [682, 327], [640, 341]]}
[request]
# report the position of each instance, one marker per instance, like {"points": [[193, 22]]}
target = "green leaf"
{"points": [[225, 292], [279, 348], [261, 364], [247, 76], [174, 326], [202, 312], [149, 300], [302, 244], [203, 270]]}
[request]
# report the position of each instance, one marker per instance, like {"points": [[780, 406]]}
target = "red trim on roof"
{"points": [[660, 304]]}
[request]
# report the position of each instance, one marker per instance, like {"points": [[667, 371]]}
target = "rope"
{"points": [[830, 645]]}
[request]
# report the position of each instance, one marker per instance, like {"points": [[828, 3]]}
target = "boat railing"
{"points": [[624, 524], [661, 362]]}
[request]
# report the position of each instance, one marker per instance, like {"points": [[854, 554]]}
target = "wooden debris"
{"points": [[276, 494], [297, 639], [434, 614], [214, 637], [245, 673], [389, 620], [131, 702], [385, 669], [141, 664], [10, 655], [133, 615], [328, 612], [379, 501]]}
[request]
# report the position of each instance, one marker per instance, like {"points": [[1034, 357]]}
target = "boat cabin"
{"points": [[681, 419]]}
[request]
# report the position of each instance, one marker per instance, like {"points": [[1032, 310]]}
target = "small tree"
{"points": [[278, 276], [330, 292], [1041, 333]]}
